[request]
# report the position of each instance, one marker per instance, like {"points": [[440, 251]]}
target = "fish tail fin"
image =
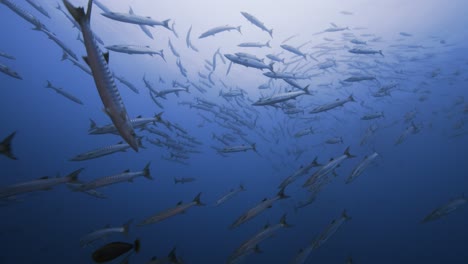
{"points": [[239, 29], [306, 89], [92, 124], [281, 194], [268, 44], [380, 52], [73, 177], [197, 200], [283, 221], [126, 226], [175, 179], [166, 24], [161, 53], [254, 147], [6, 146], [348, 154], [270, 66], [241, 187], [257, 249], [345, 215], [158, 117], [137, 245], [146, 171], [351, 98], [78, 13], [64, 56], [172, 256], [49, 85], [315, 162], [270, 32]]}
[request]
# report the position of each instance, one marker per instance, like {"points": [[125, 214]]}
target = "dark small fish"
{"points": [[113, 250], [5, 146], [183, 180]]}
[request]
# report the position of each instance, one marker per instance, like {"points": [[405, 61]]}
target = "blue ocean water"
{"points": [[424, 54]]}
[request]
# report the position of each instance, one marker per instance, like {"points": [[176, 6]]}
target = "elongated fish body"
{"points": [[304, 132], [127, 83], [358, 42], [259, 208], [373, 116], [136, 19], [247, 56], [216, 30], [103, 78], [336, 29], [187, 40], [183, 180], [142, 27], [101, 6], [275, 58], [257, 23], [229, 195], [285, 75], [134, 49], [327, 168], [64, 93], [331, 229], [303, 254], [84, 68], [365, 51], [5, 146], [334, 140], [359, 78], [250, 245], [138, 122], [163, 93], [38, 7], [361, 167], [6, 55], [337, 103], [282, 97], [22, 13], [103, 233], [59, 42], [240, 148], [254, 45], [37, 185], [445, 209], [180, 208], [293, 50], [93, 154], [174, 51], [5, 69], [301, 171], [114, 250], [125, 176], [248, 62]]}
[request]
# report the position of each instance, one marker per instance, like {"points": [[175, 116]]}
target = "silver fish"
{"points": [[104, 80]]}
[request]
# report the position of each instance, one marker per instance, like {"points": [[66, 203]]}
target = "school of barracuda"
{"points": [[352, 72]]}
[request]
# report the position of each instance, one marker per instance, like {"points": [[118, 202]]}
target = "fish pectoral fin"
{"points": [[106, 56], [85, 58]]}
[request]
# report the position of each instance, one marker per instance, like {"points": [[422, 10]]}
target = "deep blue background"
{"points": [[386, 203]]}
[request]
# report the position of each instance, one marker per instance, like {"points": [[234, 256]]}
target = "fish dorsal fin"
{"points": [[264, 199], [106, 56], [266, 226], [331, 159], [140, 116], [44, 178], [179, 203], [120, 142], [130, 11], [126, 171]]}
